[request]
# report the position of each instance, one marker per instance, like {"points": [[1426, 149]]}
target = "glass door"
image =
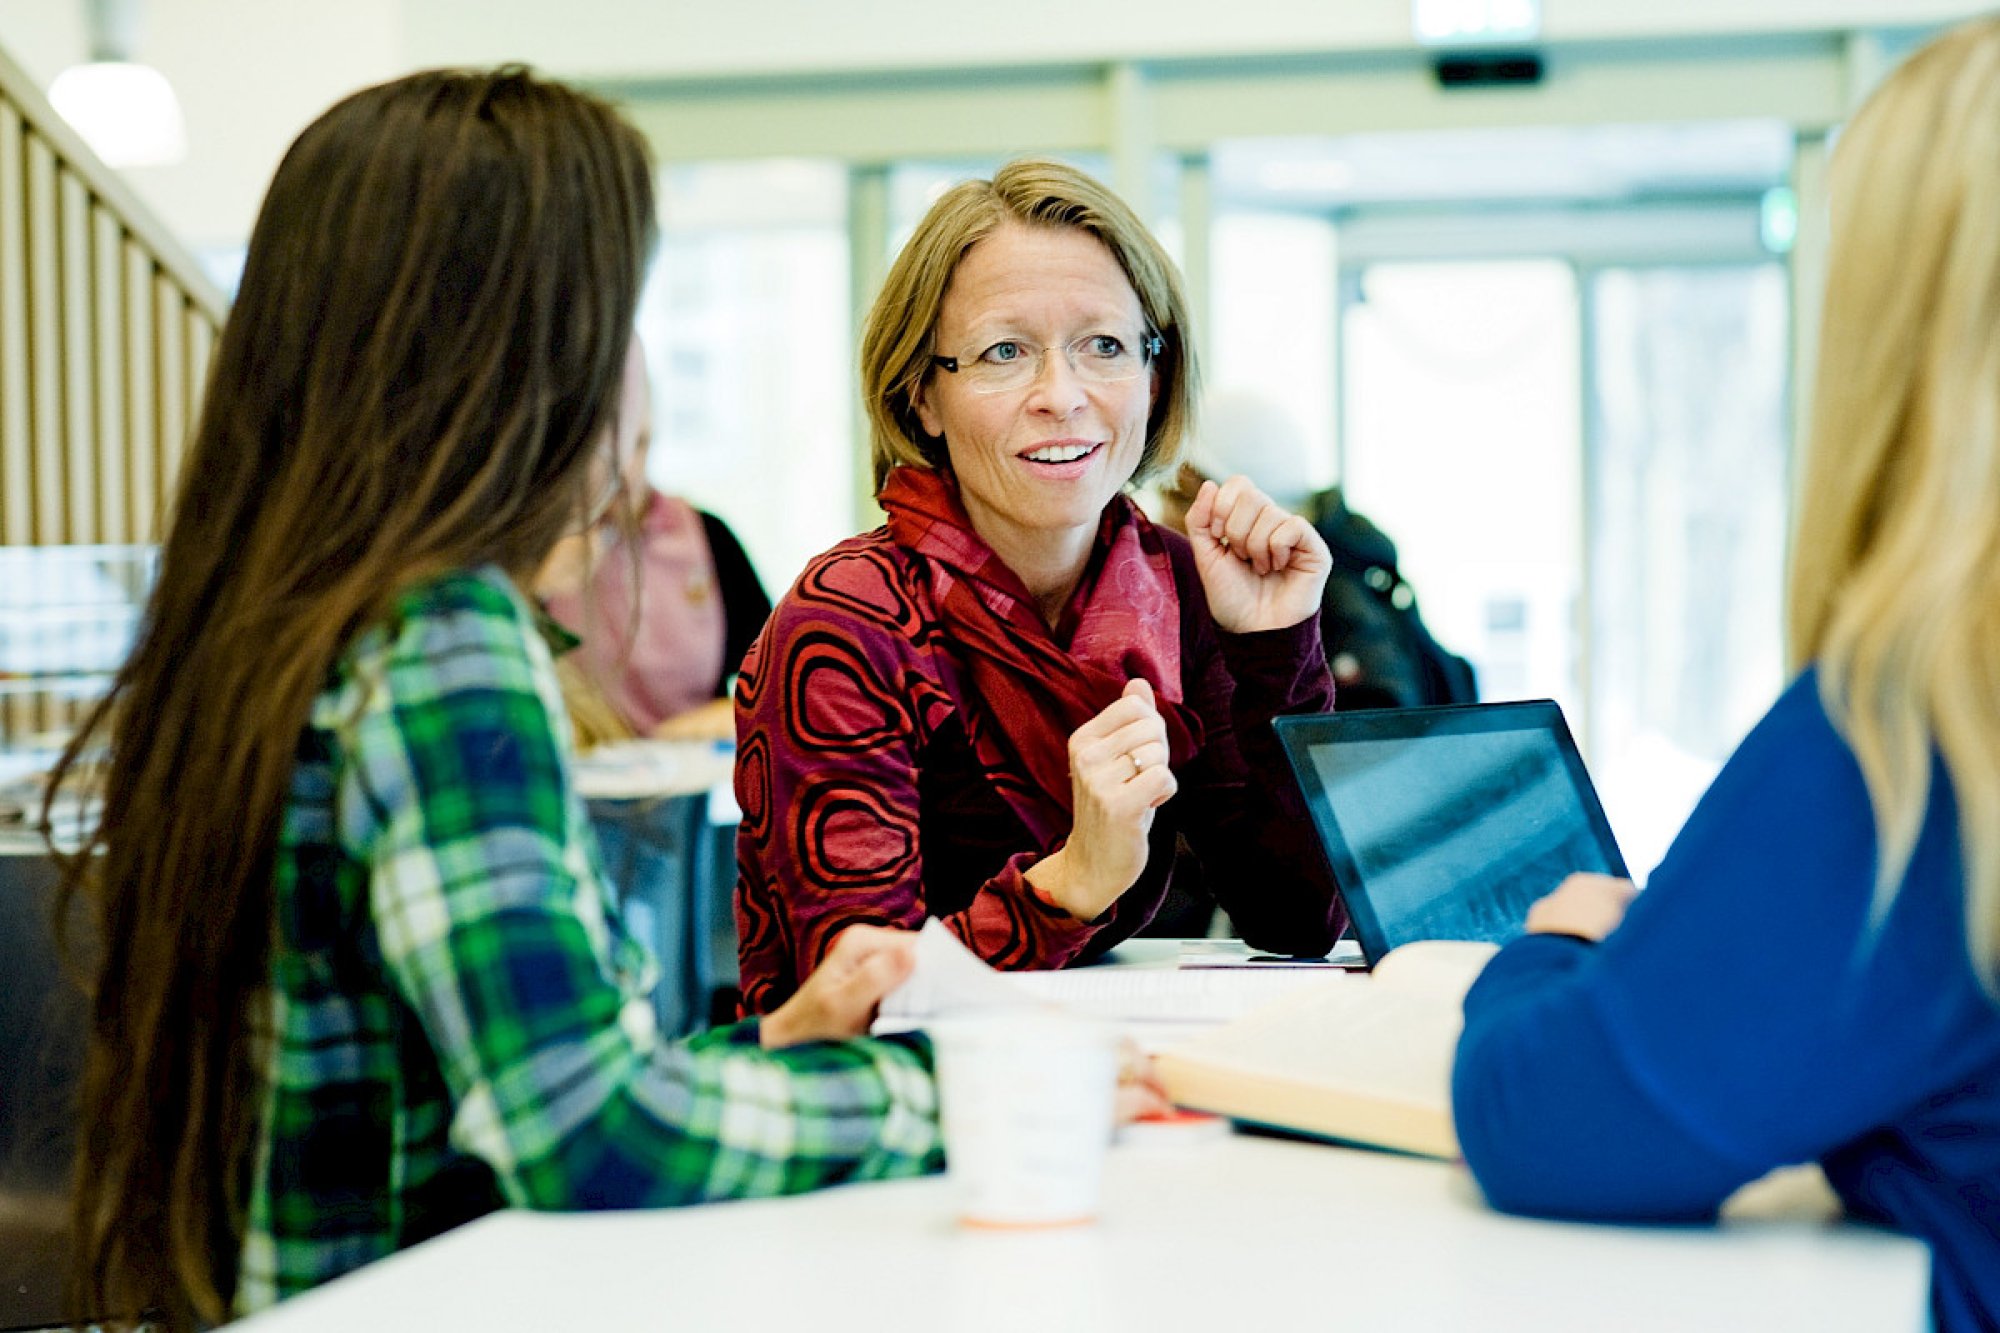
{"points": [[1687, 501], [1584, 467], [1462, 441]]}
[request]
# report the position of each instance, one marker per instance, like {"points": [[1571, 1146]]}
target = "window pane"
{"points": [[1689, 513], [745, 318], [1462, 444], [1272, 300]]}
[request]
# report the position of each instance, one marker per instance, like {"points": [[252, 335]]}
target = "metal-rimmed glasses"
{"points": [[1015, 363]]}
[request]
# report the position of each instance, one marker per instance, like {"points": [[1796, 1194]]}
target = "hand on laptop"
{"points": [[1586, 906]]}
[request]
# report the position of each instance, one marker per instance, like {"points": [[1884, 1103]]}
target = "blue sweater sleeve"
{"points": [[1744, 1016]]}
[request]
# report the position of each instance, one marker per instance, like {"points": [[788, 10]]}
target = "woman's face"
{"points": [[1037, 464]]}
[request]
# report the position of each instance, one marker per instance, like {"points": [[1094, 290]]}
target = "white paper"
{"points": [[1134, 995], [949, 981], [1154, 1006], [1235, 953]]}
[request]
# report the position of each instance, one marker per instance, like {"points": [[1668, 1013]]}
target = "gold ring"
{"points": [[1137, 766]]}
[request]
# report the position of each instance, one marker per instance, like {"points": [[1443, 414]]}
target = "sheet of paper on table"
{"points": [[1238, 953], [1154, 1006]]}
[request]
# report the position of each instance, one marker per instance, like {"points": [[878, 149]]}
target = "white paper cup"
{"points": [[1027, 1102]]}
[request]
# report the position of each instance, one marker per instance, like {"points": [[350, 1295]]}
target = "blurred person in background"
{"points": [[1380, 652], [655, 658]]}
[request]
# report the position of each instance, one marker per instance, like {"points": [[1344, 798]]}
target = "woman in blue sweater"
{"points": [[1811, 973]]}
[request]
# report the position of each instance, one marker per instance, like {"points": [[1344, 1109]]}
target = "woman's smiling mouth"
{"points": [[1067, 452]]}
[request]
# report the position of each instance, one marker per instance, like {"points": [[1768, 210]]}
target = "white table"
{"points": [[1236, 1233]]}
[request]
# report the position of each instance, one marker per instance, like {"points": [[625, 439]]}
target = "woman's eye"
{"points": [[1104, 346], [1003, 352]]}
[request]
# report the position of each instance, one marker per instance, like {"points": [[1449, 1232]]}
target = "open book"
{"points": [[1364, 1059]]}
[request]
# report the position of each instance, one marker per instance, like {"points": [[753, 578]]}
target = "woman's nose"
{"points": [[1056, 388]]}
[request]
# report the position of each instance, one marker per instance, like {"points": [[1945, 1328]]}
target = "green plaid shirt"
{"points": [[457, 1020]]}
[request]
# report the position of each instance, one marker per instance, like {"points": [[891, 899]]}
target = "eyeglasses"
{"points": [[1012, 363]]}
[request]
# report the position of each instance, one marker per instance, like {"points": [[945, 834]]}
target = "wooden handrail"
{"points": [[106, 328], [106, 184]]}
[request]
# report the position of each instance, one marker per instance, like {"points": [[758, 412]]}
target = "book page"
{"points": [[1351, 1059], [1443, 968], [1351, 1033]]}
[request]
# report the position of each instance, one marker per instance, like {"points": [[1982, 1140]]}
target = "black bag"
{"points": [[1376, 644]]}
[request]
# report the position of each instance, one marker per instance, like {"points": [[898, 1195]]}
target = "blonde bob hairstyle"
{"points": [[1895, 580], [899, 337]]}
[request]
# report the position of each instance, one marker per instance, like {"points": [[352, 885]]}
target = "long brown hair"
{"points": [[424, 353]]}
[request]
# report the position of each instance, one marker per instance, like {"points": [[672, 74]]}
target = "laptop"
{"points": [[1447, 823]]}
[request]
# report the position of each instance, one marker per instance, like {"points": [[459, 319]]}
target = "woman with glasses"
{"points": [[1813, 972], [359, 977], [1014, 706]]}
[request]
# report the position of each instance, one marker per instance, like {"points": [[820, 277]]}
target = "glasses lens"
{"points": [[1003, 376], [1100, 358], [1106, 357]]}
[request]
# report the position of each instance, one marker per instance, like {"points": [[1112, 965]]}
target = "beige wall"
{"points": [[628, 38], [251, 73]]}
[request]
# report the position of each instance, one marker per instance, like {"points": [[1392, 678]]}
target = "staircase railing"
{"points": [[106, 326]]}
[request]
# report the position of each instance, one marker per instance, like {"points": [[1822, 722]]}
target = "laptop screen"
{"points": [[1448, 823]]}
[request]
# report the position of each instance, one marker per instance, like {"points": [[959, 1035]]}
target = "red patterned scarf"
{"points": [[1027, 691]]}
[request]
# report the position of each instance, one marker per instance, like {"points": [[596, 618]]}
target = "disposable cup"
{"points": [[1028, 1105]]}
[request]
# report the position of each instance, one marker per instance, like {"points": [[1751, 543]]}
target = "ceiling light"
{"points": [[1475, 22], [126, 112]]}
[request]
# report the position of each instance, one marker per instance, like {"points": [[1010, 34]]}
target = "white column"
{"points": [[1868, 59], [1808, 275], [1129, 135], [1197, 239], [867, 265]]}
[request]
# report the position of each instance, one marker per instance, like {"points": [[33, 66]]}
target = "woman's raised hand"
{"points": [[1118, 776], [1262, 567]]}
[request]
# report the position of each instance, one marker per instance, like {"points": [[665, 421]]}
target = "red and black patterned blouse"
{"points": [[865, 800]]}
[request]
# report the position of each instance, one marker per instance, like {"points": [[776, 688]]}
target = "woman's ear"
{"points": [[925, 410]]}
